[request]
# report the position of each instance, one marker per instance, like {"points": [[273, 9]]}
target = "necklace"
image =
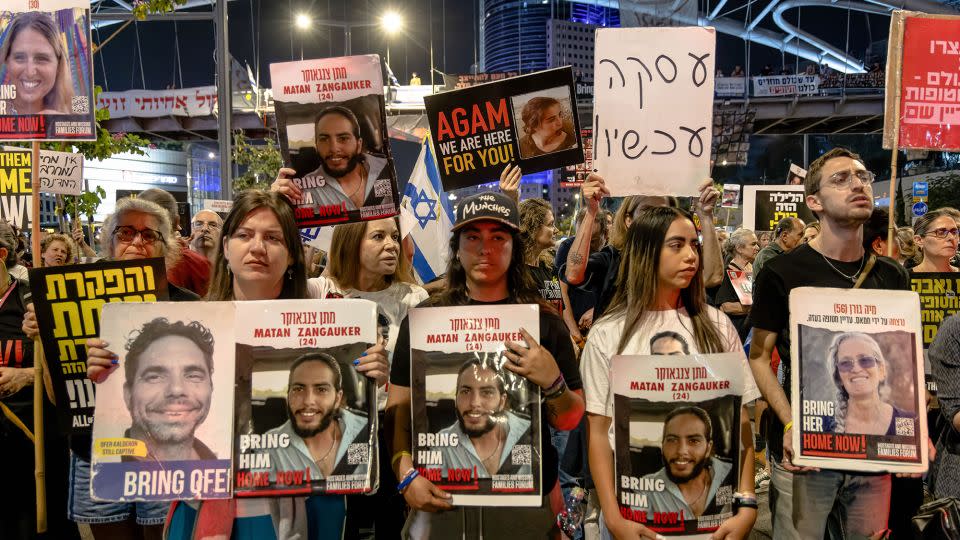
{"points": [[703, 490], [496, 449], [333, 444], [853, 278]]}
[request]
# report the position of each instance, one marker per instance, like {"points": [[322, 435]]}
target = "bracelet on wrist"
{"points": [[408, 477], [399, 455], [787, 427], [556, 389]]}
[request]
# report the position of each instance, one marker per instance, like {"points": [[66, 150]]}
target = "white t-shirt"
{"points": [[393, 303], [605, 337], [321, 287]]}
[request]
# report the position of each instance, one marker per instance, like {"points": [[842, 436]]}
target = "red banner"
{"points": [[930, 84]]}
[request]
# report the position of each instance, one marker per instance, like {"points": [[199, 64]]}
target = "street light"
{"points": [[392, 23], [302, 22]]}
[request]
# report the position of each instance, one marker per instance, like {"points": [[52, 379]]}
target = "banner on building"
{"points": [[764, 206], [863, 345], [730, 87], [162, 428], [306, 419], [183, 102], [923, 88], [46, 99], [476, 424], [653, 108], [530, 121], [331, 122], [664, 406], [786, 85], [68, 300]]}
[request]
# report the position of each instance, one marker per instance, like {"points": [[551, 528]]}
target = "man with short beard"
{"points": [[691, 474], [206, 233], [347, 175], [168, 389], [318, 424], [486, 431]]}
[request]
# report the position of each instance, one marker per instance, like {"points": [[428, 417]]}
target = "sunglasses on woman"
{"points": [[866, 362]]}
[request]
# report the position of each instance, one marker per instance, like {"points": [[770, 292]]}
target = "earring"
{"points": [[289, 273]]}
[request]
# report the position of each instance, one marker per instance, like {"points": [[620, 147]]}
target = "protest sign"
{"points": [[764, 206], [457, 363], [218, 205], [863, 346], [52, 102], [657, 397], [575, 175], [731, 196], [938, 300], [530, 121], [785, 85], [742, 283], [332, 127], [16, 187], [306, 419], [67, 300], [796, 175], [162, 428], [730, 86], [922, 98], [60, 172], [653, 109]]}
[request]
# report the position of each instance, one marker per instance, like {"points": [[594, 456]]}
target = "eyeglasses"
{"points": [[866, 362], [207, 224], [943, 233], [128, 234], [843, 179]]}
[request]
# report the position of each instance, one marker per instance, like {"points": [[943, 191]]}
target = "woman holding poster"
{"points": [[259, 259], [660, 309], [36, 65]]}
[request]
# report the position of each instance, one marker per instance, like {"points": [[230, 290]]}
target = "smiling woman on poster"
{"points": [[860, 371], [34, 60], [544, 128]]}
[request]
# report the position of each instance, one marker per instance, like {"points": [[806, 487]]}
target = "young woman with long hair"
{"points": [[259, 258], [660, 294]]}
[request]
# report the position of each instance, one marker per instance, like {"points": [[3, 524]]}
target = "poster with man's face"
{"points": [[306, 419], [476, 424], [676, 431], [857, 397], [162, 423], [46, 74], [331, 123]]}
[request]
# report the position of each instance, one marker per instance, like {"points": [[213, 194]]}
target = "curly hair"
{"points": [[532, 113], [161, 328], [59, 237], [533, 216]]}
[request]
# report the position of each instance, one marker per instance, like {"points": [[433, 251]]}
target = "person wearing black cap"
{"points": [[487, 267]]}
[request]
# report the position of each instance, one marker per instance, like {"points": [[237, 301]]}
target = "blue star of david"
{"points": [[431, 208]]}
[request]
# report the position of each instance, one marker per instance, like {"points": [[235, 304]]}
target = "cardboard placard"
{"points": [[764, 206]]}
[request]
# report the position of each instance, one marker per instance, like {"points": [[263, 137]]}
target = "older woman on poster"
{"points": [[35, 62], [859, 370], [544, 128]]}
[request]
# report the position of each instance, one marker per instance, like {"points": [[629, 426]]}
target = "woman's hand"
{"points": [[705, 204], [586, 320], [101, 361], [624, 529], [373, 363], [12, 380], [510, 181], [29, 326], [738, 526], [423, 495], [531, 361], [787, 462], [284, 185]]}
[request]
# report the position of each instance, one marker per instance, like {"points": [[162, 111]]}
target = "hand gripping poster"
{"points": [[332, 127], [858, 401], [476, 425], [676, 426], [163, 423], [306, 419], [46, 73], [68, 301]]}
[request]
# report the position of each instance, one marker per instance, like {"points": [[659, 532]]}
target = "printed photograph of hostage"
{"points": [[350, 176], [545, 122], [858, 383], [36, 63], [168, 389], [320, 427], [486, 428]]}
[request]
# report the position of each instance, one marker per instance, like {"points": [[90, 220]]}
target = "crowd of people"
{"points": [[655, 268]]}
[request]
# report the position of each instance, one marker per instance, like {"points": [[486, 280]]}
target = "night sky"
{"points": [[454, 39]]}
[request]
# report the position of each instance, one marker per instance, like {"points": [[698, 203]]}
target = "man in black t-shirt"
{"points": [[487, 267], [808, 503]]}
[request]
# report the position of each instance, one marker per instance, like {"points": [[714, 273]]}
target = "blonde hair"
{"points": [[59, 237]]}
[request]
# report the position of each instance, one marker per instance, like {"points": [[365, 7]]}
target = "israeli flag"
{"points": [[427, 216]]}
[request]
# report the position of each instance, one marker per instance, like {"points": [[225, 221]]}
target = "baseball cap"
{"points": [[492, 206]]}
